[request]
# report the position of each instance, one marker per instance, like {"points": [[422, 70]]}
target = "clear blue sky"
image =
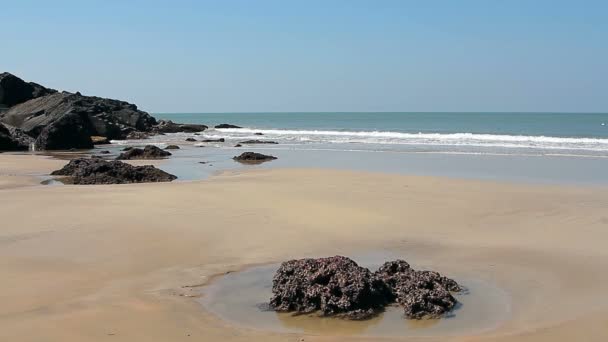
{"points": [[222, 56]]}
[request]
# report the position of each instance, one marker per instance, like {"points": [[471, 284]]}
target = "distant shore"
{"points": [[118, 261]]}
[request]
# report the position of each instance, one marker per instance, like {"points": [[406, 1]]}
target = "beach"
{"points": [[128, 262]]}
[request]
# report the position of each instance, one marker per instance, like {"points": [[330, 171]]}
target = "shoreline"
{"points": [[126, 254]]}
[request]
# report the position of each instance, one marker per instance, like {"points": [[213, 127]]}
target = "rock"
{"points": [[168, 126], [148, 152], [227, 126], [13, 139], [214, 140], [128, 148], [103, 117], [99, 171], [191, 139], [14, 90], [137, 135], [253, 157], [238, 145], [251, 142], [334, 286], [68, 131], [258, 133], [104, 152], [423, 294], [172, 147], [98, 140]]}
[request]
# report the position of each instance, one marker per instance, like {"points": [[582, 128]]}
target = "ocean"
{"points": [[490, 133], [531, 147]]}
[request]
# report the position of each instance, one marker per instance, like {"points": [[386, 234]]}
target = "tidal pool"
{"points": [[241, 298]]}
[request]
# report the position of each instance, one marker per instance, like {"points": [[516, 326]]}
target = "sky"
{"points": [[257, 56]]}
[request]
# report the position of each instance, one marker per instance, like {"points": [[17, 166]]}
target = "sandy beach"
{"points": [[125, 262]]}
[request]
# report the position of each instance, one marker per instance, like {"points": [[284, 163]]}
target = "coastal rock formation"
{"points": [[91, 116], [227, 126], [191, 139], [13, 139], [168, 126], [338, 286], [331, 286], [99, 171], [67, 131], [423, 294], [214, 140], [252, 142], [14, 90], [253, 157], [172, 147], [148, 152]]}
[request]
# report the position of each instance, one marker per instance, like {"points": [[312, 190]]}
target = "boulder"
{"points": [[253, 157], [258, 133], [14, 90], [334, 286], [104, 152], [214, 140], [168, 126], [238, 145], [148, 152], [172, 147], [423, 294], [13, 139], [227, 126], [191, 139], [252, 142], [99, 171]]}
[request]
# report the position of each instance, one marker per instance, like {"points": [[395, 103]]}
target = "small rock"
{"points": [[99, 140], [148, 152], [214, 140], [172, 147], [253, 157], [227, 126], [190, 139], [251, 142]]}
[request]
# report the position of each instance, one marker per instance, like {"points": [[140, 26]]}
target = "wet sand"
{"points": [[125, 262]]}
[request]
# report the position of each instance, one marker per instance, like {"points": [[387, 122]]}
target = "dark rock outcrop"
{"points": [[253, 157], [68, 118], [172, 147], [334, 286], [14, 90], [68, 131], [168, 126], [252, 142], [13, 139], [423, 294], [99, 171], [214, 140], [227, 126], [258, 133], [238, 145], [191, 139], [148, 152]]}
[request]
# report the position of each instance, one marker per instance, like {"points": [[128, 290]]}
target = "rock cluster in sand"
{"points": [[337, 286]]}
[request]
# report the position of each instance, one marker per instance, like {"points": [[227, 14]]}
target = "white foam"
{"points": [[438, 139]]}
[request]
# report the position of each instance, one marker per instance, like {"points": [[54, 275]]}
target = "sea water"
{"points": [[536, 147]]}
